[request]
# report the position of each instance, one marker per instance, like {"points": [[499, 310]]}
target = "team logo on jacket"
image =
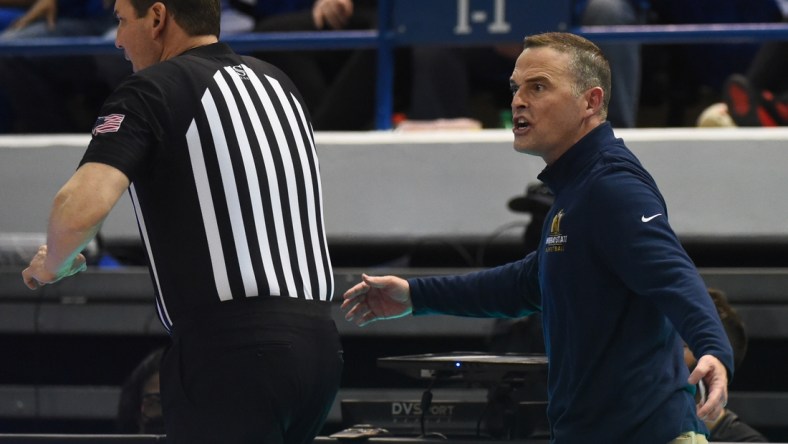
{"points": [[108, 124], [556, 242]]}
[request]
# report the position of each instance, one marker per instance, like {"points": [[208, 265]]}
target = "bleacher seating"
{"points": [[463, 22]]}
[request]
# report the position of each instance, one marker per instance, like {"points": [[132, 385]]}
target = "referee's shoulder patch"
{"points": [[108, 124]]}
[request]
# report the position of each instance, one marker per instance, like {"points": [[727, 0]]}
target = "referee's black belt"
{"points": [[259, 306]]}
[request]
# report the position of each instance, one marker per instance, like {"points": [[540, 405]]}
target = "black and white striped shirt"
{"points": [[225, 180]]}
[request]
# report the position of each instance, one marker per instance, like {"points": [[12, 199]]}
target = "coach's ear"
{"points": [[595, 98], [158, 16]]}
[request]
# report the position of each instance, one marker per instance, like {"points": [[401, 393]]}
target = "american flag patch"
{"points": [[108, 124]]}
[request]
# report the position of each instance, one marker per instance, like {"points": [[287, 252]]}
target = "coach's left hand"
{"points": [[715, 376]]}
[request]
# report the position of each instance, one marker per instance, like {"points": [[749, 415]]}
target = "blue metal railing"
{"points": [[677, 34], [274, 41], [396, 34]]}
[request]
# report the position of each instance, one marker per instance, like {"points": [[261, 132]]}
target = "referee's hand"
{"points": [[37, 274]]}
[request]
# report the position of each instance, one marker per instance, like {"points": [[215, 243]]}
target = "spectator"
{"points": [[688, 70], [625, 60], [234, 21], [727, 427], [338, 85], [761, 97], [758, 97], [34, 96], [748, 105], [485, 70], [139, 407], [62, 18]]}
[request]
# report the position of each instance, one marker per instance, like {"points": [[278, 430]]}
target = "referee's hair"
{"points": [[196, 17]]}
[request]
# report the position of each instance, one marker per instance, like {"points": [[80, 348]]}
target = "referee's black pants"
{"points": [[259, 371]]}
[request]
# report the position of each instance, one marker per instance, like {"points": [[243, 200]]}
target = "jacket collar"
{"points": [[574, 160]]}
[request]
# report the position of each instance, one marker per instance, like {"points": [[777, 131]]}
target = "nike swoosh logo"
{"points": [[647, 219]]}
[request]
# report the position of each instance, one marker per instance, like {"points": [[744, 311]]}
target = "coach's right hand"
{"points": [[376, 298]]}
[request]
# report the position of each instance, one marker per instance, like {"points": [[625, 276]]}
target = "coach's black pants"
{"points": [[262, 372]]}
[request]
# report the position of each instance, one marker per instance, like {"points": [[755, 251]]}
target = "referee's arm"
{"points": [[78, 210]]}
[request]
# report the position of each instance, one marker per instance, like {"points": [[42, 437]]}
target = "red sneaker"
{"points": [[750, 108], [741, 100], [775, 110]]}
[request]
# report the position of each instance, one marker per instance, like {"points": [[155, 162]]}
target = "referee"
{"points": [[218, 155]]}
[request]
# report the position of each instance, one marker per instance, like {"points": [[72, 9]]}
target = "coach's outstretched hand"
{"points": [[376, 298]]}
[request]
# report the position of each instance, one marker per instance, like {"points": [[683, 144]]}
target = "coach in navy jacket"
{"points": [[617, 291]]}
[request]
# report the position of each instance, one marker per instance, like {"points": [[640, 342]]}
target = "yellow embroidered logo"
{"points": [[555, 227], [556, 242]]}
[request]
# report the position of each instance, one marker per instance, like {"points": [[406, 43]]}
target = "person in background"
{"points": [[615, 287], [53, 93], [338, 85], [625, 58], [680, 77], [217, 152], [139, 406], [480, 70], [60, 18], [727, 427], [759, 96], [234, 21]]}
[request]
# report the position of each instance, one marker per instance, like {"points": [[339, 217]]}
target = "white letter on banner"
{"points": [[500, 25], [463, 26]]}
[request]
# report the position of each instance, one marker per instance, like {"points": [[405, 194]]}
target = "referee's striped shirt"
{"points": [[225, 180]]}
